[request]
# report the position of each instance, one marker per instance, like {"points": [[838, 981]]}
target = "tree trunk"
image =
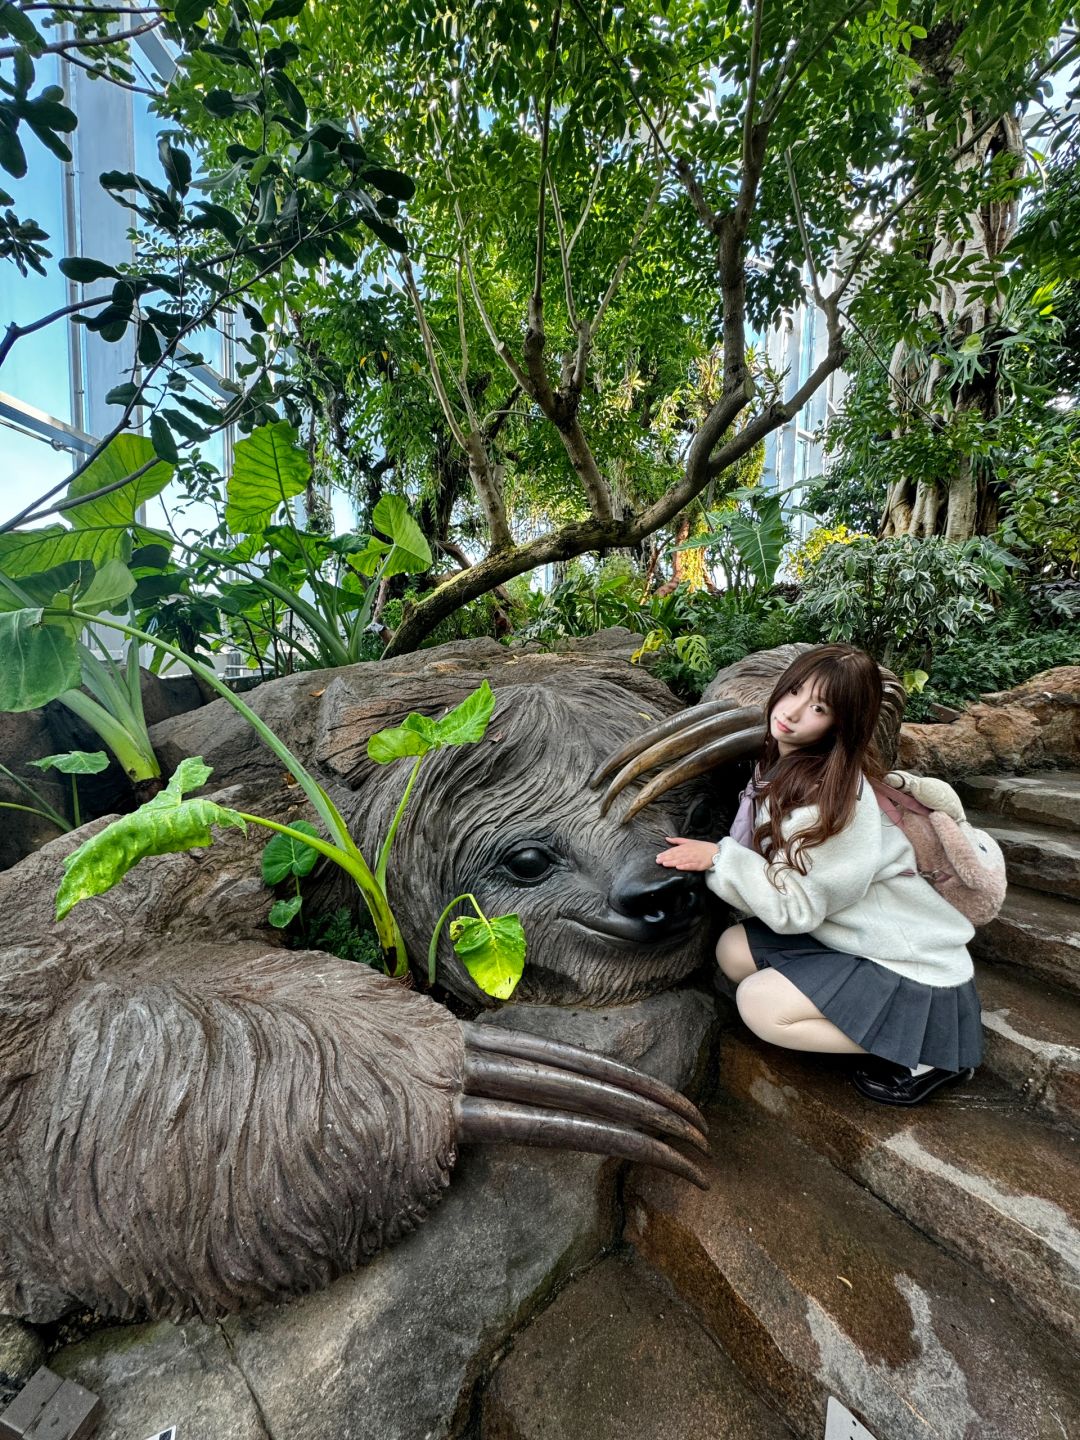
{"points": [[961, 504]]}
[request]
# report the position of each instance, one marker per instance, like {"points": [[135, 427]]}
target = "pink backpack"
{"points": [[964, 864]]}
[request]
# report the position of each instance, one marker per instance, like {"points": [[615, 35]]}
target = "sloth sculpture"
{"points": [[193, 1121]]}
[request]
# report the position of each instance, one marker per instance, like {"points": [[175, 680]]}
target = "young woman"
{"points": [[847, 950]]}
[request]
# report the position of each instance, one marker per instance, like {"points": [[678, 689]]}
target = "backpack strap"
{"points": [[893, 801]]}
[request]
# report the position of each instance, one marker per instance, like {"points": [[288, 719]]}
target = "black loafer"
{"points": [[895, 1085]]}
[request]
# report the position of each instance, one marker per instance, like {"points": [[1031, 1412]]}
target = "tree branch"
{"points": [[564, 255], [61, 47], [800, 220]]}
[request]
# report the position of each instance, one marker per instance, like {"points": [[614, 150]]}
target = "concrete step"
{"points": [[617, 1356], [1032, 1033], [995, 1183], [1049, 798], [815, 1288], [1038, 934], [1038, 857]]}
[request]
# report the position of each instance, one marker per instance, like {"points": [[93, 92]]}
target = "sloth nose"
{"points": [[657, 897]]}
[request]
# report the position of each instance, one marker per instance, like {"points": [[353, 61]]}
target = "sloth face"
{"points": [[512, 821]]}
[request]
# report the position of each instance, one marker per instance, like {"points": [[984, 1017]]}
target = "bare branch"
{"points": [[800, 220], [434, 369], [499, 345], [752, 82], [588, 207], [101, 42], [564, 254]]}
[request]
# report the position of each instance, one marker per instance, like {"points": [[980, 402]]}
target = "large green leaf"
{"points": [[467, 722], [410, 552], [37, 661], [74, 762], [109, 588], [165, 825], [492, 951], [417, 734], [285, 856], [120, 458], [25, 552], [269, 468]]}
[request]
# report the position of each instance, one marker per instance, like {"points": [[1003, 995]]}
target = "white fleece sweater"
{"points": [[854, 897]]}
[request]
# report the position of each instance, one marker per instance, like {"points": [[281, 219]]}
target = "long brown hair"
{"points": [[829, 773]]}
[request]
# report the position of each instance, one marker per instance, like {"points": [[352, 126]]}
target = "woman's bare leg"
{"points": [[778, 1011], [733, 954]]}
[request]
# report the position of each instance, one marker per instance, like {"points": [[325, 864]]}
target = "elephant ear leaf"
{"points": [[409, 553], [165, 825], [467, 722], [285, 856], [74, 762], [38, 660], [492, 951], [417, 734]]}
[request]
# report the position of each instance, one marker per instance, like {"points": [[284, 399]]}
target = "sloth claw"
{"points": [[526, 1090], [688, 745], [500, 1120]]}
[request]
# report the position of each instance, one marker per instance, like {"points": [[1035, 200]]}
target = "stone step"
{"points": [[993, 1182], [1032, 1035], [1039, 857], [1035, 933], [617, 1356], [815, 1288], [1050, 798]]}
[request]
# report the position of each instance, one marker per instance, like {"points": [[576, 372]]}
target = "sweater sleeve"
{"points": [[839, 872]]}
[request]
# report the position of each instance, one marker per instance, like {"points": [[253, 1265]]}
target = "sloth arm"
{"points": [[194, 1140]]}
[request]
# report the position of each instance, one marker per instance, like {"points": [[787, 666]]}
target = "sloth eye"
{"points": [[529, 864]]}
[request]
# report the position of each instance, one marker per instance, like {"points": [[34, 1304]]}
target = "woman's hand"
{"points": [[688, 854]]}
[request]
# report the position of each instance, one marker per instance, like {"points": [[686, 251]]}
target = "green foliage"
{"points": [[163, 826], [996, 654], [285, 855], [38, 660], [901, 599], [269, 469], [493, 951], [1042, 503], [341, 933], [465, 724]]}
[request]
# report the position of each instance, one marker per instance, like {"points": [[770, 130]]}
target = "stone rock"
{"points": [[394, 1351], [815, 1288], [1034, 726], [153, 1376], [617, 1357], [21, 1352]]}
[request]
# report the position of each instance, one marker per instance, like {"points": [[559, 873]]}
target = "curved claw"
{"points": [[672, 726], [687, 737], [504, 1078], [720, 752], [519, 1044], [486, 1120]]}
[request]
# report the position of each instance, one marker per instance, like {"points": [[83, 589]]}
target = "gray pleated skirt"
{"points": [[887, 1014]]}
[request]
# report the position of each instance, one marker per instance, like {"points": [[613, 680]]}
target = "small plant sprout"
{"points": [[287, 858], [492, 951], [173, 821], [74, 763]]}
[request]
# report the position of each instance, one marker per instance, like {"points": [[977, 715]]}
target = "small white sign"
{"points": [[169, 1434], [840, 1424]]}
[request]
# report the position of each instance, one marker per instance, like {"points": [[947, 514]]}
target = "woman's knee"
{"points": [[733, 954]]}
